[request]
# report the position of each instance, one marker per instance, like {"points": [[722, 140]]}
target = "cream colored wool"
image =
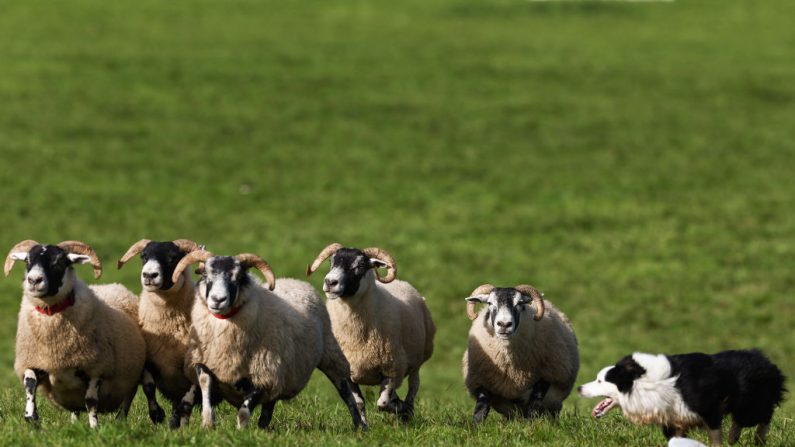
{"points": [[385, 330], [539, 350], [165, 320], [93, 336], [277, 340]]}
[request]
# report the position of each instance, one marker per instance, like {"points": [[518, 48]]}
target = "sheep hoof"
{"points": [[174, 422], [406, 413], [242, 418], [157, 416], [33, 418]]}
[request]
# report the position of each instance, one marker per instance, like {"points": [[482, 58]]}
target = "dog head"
{"points": [[611, 382]]}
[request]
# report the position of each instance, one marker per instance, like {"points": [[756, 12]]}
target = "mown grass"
{"points": [[633, 161]]}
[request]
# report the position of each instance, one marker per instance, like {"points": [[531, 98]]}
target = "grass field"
{"points": [[632, 160]]}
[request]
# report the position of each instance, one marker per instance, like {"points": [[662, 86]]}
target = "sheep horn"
{"points": [[533, 293], [186, 245], [248, 260], [23, 246], [190, 258], [132, 251], [484, 289], [384, 256], [328, 251], [81, 248]]}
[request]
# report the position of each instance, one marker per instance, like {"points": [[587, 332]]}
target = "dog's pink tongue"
{"points": [[602, 408]]}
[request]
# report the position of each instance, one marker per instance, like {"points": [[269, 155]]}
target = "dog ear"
{"points": [[625, 372]]}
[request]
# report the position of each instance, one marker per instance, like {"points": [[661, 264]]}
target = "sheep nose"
{"points": [[152, 275], [35, 281], [504, 324], [579, 389], [331, 282]]}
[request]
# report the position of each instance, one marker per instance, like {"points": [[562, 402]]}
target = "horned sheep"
{"points": [[164, 317], [81, 344], [384, 328], [514, 362], [252, 345]]}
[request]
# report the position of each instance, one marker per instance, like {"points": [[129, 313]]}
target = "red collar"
{"points": [[57, 308], [231, 313]]}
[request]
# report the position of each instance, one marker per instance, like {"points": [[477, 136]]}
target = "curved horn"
{"points": [[23, 246], [483, 289], [533, 293], [186, 245], [324, 254], [81, 248], [191, 258], [384, 256], [132, 251], [248, 260]]}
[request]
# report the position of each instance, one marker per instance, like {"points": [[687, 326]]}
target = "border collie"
{"points": [[680, 392]]}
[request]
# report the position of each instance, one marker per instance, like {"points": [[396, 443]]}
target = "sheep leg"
{"points": [[761, 433], [359, 398], [92, 401], [205, 383], [343, 386], [74, 417], [407, 410], [180, 416], [266, 415], [156, 414], [125, 405], [735, 432], [715, 437], [534, 405], [249, 403], [388, 400], [31, 384], [482, 406]]}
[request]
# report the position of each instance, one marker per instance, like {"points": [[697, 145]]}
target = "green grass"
{"points": [[634, 161]]}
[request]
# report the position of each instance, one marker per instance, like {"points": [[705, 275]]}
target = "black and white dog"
{"points": [[679, 392]]}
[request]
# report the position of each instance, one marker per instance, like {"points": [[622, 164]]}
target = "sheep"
{"points": [[252, 345], [78, 342], [385, 330], [164, 317], [514, 363]]}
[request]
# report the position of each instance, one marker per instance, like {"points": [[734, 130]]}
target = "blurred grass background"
{"points": [[632, 160]]}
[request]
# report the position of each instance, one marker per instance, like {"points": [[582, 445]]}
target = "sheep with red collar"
{"points": [[164, 316], [252, 345], [80, 344], [384, 327], [516, 362]]}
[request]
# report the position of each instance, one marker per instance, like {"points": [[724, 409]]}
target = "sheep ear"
{"points": [[78, 259], [19, 256], [379, 264], [478, 299]]}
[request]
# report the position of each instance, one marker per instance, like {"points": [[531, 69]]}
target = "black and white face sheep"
{"points": [[518, 360], [253, 345], [384, 326], [164, 316], [84, 351]]}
